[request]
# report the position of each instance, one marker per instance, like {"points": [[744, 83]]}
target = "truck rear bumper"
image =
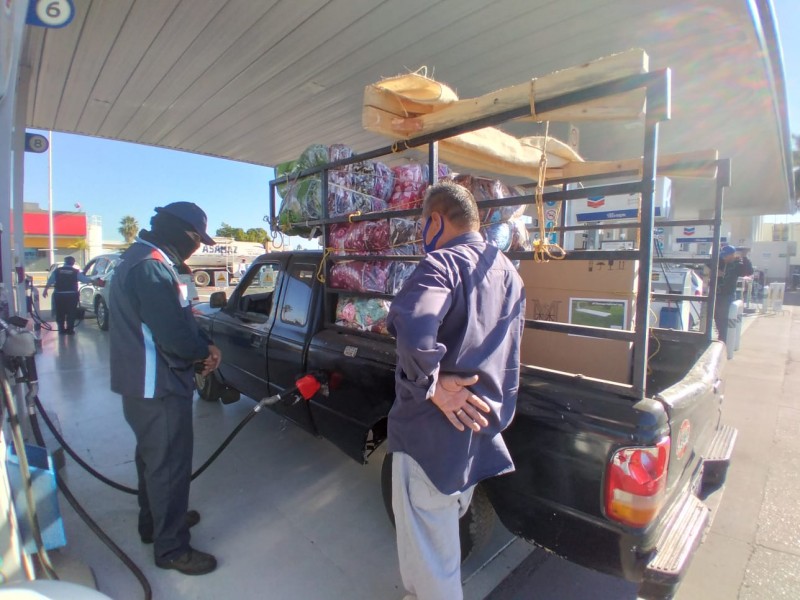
{"points": [[687, 524]]}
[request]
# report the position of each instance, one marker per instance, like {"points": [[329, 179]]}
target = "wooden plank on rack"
{"points": [[696, 165], [629, 105], [609, 68]]}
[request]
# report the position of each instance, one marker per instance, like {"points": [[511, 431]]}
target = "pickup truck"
{"points": [[612, 482]]}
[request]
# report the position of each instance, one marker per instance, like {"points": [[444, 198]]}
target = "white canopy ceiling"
{"points": [[258, 81]]}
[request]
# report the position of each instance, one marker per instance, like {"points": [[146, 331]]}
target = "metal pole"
{"points": [[50, 197], [658, 108]]}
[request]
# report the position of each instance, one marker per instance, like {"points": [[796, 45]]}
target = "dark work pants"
{"points": [[66, 307], [164, 441]]}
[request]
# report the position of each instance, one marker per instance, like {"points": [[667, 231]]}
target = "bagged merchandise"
{"points": [[483, 189], [405, 236], [302, 198], [520, 236], [361, 187], [359, 276], [363, 314], [399, 272], [410, 183], [364, 237], [498, 234]]}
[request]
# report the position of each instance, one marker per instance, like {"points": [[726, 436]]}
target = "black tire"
{"points": [[101, 312], [202, 278], [475, 527], [208, 388]]}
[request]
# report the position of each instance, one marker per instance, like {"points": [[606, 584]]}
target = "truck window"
{"points": [[259, 286], [298, 295]]}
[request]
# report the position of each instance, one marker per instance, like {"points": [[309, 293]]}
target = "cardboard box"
{"points": [[584, 292]]}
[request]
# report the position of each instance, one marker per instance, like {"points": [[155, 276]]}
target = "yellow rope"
{"points": [[321, 269], [543, 249]]}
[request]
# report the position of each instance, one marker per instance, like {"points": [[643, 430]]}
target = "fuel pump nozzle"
{"points": [[305, 387]]}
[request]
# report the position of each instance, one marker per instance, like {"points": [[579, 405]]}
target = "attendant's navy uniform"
{"points": [[155, 342]]}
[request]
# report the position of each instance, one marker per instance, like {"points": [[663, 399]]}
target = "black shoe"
{"points": [[193, 562], [192, 519]]}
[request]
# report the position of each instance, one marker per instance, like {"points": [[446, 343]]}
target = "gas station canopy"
{"points": [[260, 81]]}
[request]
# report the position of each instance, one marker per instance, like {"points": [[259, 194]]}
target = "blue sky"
{"points": [[115, 179]]}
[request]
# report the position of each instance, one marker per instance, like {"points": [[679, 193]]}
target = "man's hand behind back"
{"points": [[460, 406]]}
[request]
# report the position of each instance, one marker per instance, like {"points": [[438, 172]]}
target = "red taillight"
{"points": [[636, 482]]}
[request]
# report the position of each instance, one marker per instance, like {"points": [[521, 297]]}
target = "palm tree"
{"points": [[128, 228]]}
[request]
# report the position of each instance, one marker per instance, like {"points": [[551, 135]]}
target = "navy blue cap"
{"points": [[726, 250], [192, 215]]}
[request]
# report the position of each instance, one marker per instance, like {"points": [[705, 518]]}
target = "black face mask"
{"points": [[174, 236]]}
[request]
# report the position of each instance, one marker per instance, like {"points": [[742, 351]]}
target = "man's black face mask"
{"points": [[175, 233]]}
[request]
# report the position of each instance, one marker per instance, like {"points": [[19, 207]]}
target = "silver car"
{"points": [[93, 297]]}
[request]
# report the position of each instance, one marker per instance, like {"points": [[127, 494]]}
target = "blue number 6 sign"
{"points": [[50, 13]]}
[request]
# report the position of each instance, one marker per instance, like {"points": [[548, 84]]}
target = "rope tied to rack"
{"points": [[543, 249], [321, 268]]}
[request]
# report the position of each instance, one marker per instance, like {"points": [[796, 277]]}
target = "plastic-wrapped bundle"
{"points": [[483, 189], [405, 236], [363, 314], [520, 236], [498, 234], [359, 276], [361, 187], [364, 237], [302, 198], [399, 272], [410, 183], [339, 180]]}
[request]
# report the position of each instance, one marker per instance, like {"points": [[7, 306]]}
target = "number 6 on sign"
{"points": [[50, 13]]}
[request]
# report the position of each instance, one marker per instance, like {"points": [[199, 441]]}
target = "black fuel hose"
{"points": [[129, 490], [68, 449], [73, 502]]}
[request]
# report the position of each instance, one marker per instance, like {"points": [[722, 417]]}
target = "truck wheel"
{"points": [[101, 311], [475, 526], [202, 278], [208, 388]]}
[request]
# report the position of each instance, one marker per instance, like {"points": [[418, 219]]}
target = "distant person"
{"points": [[458, 321], [64, 281], [242, 270], [156, 347], [747, 265], [730, 269]]}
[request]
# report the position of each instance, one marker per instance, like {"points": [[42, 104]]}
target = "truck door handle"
{"points": [[256, 340]]}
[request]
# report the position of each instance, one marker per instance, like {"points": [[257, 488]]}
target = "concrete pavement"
{"points": [[752, 551]]}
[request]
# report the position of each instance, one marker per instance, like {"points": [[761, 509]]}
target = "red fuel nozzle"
{"points": [[307, 386]]}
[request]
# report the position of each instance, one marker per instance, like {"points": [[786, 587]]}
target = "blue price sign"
{"points": [[50, 13], [36, 143]]}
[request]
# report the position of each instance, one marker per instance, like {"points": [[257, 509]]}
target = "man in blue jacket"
{"points": [[458, 321], [156, 346]]}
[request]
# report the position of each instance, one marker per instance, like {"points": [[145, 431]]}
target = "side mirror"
{"points": [[218, 299]]}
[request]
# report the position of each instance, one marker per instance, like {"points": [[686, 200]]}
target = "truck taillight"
{"points": [[636, 483]]}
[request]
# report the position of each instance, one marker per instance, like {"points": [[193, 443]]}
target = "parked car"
{"points": [[92, 297]]}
